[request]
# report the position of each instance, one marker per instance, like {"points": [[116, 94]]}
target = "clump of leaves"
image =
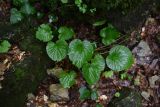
{"points": [[4, 46], [82, 7], [16, 16], [44, 33], [109, 35], [80, 52], [119, 58], [26, 9]]}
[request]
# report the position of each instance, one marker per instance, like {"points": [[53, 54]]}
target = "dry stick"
{"points": [[99, 48], [105, 52]]}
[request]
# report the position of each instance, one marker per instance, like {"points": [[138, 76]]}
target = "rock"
{"points": [[54, 72], [128, 98], [58, 93], [152, 81], [142, 53], [31, 96], [145, 95], [53, 105], [142, 49]]}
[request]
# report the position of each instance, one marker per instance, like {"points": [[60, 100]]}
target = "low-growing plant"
{"points": [[117, 94], [24, 8], [82, 55], [109, 35], [4, 46]]}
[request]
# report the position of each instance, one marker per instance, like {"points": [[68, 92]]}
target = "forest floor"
{"points": [[145, 73]]}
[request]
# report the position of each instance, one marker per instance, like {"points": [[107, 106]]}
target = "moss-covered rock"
{"points": [[128, 98]]}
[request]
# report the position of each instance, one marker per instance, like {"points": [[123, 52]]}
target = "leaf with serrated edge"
{"points": [[57, 51], [119, 58], [65, 33], [80, 52], [109, 35], [44, 33], [67, 79], [91, 72]]}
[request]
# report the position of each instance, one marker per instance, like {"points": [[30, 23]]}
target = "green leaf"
{"points": [[19, 2], [44, 33], [94, 95], [99, 105], [108, 74], [78, 2], [16, 16], [84, 93], [27, 9], [4, 46], [64, 1], [117, 94], [109, 35], [123, 76], [65, 33], [80, 52], [99, 23], [57, 51], [91, 72], [67, 79], [120, 58]]}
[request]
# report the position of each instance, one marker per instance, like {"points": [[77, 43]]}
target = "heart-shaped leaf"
{"points": [[16, 16], [80, 52], [57, 51], [91, 72], [108, 74], [109, 35], [119, 58], [67, 79], [65, 33], [64, 1], [99, 22], [44, 33], [4, 46]]}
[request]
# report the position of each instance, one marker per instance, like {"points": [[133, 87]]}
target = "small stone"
{"points": [[152, 81], [145, 95], [53, 105], [31, 96], [143, 53], [150, 21], [45, 98], [144, 49], [54, 72], [58, 93], [103, 98]]}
